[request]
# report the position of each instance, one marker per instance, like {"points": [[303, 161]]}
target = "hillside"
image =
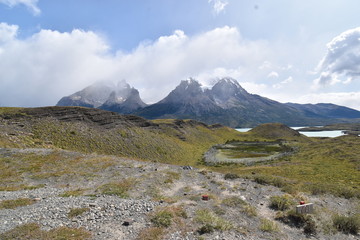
{"points": [[83, 173], [92, 130]]}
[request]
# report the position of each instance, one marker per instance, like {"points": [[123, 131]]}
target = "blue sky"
{"points": [[291, 51]]}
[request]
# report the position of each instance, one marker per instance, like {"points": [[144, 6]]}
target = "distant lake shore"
{"points": [[310, 133]]}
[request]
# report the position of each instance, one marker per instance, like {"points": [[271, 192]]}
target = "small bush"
{"points": [[11, 204], [205, 216], [33, 231], [281, 203], [231, 176], [72, 193], [154, 233], [207, 228], [269, 180], [117, 188], [162, 218], [233, 202], [310, 227], [249, 210], [347, 224], [298, 220], [77, 211], [267, 225]]}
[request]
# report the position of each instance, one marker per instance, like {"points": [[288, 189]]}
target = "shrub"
{"points": [[207, 228], [154, 233], [249, 210], [231, 176], [11, 204], [72, 193], [267, 225], [33, 231], [77, 211], [281, 203], [310, 227], [117, 188], [298, 220], [205, 216], [347, 224], [162, 218], [233, 202]]}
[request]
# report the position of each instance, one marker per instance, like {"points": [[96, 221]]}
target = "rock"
{"points": [[127, 222]]}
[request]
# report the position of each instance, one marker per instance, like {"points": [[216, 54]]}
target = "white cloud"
{"points": [[273, 74], [281, 84], [7, 32], [341, 64], [30, 4], [349, 99], [49, 65], [218, 5]]}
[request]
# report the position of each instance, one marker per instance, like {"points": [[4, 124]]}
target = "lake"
{"points": [[335, 133]]}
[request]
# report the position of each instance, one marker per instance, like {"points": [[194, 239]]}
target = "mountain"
{"points": [[188, 100], [325, 110], [226, 103], [120, 97]]}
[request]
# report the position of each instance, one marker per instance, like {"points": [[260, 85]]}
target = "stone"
{"points": [[127, 222], [305, 208]]}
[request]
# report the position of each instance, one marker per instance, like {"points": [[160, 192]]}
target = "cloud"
{"points": [[30, 4], [273, 74], [281, 84], [218, 5], [7, 32], [41, 69], [341, 64]]}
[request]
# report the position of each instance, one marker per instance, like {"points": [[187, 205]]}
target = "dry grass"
{"points": [[20, 202], [32, 231]]}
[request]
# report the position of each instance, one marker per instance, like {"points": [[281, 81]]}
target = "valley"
{"points": [[84, 173]]}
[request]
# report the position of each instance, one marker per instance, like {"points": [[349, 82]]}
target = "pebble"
{"points": [[105, 212]]}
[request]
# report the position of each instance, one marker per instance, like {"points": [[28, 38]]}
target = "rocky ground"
{"points": [[157, 187]]}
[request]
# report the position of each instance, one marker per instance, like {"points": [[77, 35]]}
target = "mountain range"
{"points": [[226, 103]]}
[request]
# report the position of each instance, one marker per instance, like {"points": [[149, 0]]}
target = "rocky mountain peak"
{"points": [[227, 88], [105, 95]]}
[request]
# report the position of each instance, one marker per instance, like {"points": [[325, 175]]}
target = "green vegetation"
{"points": [[119, 189], [165, 217], [305, 221], [281, 203], [162, 218], [317, 165], [236, 202], [77, 212], [235, 149], [233, 201], [153, 233], [171, 176], [20, 202], [231, 176], [33, 231], [73, 193], [347, 224], [209, 220], [267, 225]]}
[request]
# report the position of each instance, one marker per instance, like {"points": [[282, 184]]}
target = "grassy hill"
{"points": [[318, 165], [92, 130], [74, 156]]}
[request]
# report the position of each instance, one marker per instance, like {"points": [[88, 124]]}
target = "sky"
{"points": [[300, 51]]}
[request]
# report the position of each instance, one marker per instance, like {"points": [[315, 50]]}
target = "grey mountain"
{"points": [[226, 103], [325, 110], [119, 97]]}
